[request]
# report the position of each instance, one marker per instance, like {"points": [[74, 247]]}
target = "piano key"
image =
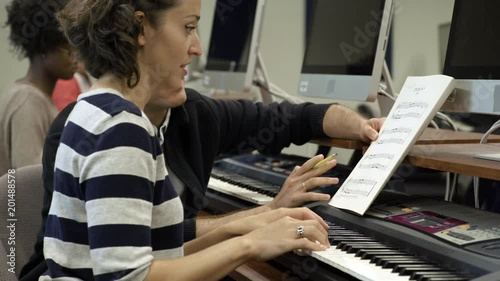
{"points": [[362, 249], [372, 253], [409, 269], [450, 278], [355, 266], [380, 259], [351, 238], [394, 263], [422, 274], [361, 253], [374, 243], [429, 276], [238, 192]]}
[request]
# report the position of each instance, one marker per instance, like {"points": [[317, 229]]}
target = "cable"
{"points": [[447, 119], [484, 139], [281, 94]]}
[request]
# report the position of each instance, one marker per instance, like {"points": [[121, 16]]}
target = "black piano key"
{"points": [[342, 245], [409, 269], [345, 237], [348, 233], [372, 253], [335, 227], [394, 263], [402, 268], [421, 275], [378, 258], [449, 278], [383, 261], [353, 247], [360, 250], [337, 240]]}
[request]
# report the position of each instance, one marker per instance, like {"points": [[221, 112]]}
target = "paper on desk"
{"points": [[416, 105]]}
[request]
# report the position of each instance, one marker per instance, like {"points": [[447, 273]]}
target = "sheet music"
{"points": [[416, 105]]}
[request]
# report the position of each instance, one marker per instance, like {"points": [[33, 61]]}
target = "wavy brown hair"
{"points": [[105, 33]]}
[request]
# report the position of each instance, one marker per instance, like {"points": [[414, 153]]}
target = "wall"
{"points": [[416, 37], [11, 67]]}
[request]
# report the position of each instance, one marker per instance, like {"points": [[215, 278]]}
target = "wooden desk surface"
{"points": [[429, 136], [256, 271], [457, 158]]}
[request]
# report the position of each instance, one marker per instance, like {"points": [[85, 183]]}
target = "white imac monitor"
{"points": [[345, 49], [232, 53], [473, 57]]}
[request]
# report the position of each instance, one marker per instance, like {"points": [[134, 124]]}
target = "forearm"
{"points": [[342, 122], [205, 225], [211, 264]]}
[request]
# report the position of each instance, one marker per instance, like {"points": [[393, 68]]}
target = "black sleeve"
{"points": [[189, 229], [247, 126]]}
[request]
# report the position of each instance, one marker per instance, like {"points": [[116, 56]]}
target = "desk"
{"points": [[429, 136], [457, 158], [256, 271]]}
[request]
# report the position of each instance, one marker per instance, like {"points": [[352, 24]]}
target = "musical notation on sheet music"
{"points": [[415, 106]]}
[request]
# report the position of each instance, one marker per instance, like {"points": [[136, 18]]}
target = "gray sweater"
{"points": [[25, 117]]}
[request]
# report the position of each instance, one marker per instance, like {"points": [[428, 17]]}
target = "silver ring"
{"points": [[300, 230], [304, 185]]}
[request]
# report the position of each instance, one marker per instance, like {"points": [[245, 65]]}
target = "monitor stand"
{"points": [[491, 156], [385, 102], [267, 88]]}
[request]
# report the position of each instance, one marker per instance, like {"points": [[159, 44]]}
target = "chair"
{"points": [[28, 206], [5, 274]]}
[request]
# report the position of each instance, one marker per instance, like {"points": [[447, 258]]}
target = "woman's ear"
{"points": [[143, 21]]}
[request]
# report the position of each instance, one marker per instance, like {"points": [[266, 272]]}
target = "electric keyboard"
{"points": [[399, 238], [407, 238], [257, 179]]}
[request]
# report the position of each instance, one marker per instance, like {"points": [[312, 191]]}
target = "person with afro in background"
{"points": [[26, 107]]}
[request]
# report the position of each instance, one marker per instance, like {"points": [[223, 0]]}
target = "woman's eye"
{"points": [[190, 28]]}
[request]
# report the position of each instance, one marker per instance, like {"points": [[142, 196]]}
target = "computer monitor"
{"points": [[473, 57], [234, 40], [345, 49]]}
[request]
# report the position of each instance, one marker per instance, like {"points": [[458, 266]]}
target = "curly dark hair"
{"points": [[105, 33], [34, 28]]}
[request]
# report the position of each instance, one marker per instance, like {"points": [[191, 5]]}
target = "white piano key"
{"points": [[355, 266], [239, 192]]}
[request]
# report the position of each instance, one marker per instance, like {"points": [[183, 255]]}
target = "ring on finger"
{"points": [[304, 186], [300, 230]]}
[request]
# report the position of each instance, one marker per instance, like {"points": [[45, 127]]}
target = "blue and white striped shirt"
{"points": [[113, 210]]}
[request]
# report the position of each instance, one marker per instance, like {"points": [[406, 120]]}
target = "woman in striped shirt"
{"points": [[114, 212]]}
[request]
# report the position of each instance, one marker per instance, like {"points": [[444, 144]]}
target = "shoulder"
{"points": [[100, 112], [25, 97], [20, 92], [110, 102]]}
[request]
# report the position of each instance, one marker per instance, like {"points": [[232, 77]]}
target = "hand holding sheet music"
{"points": [[416, 105]]}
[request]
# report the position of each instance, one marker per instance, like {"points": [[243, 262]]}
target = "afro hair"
{"points": [[34, 28]]}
